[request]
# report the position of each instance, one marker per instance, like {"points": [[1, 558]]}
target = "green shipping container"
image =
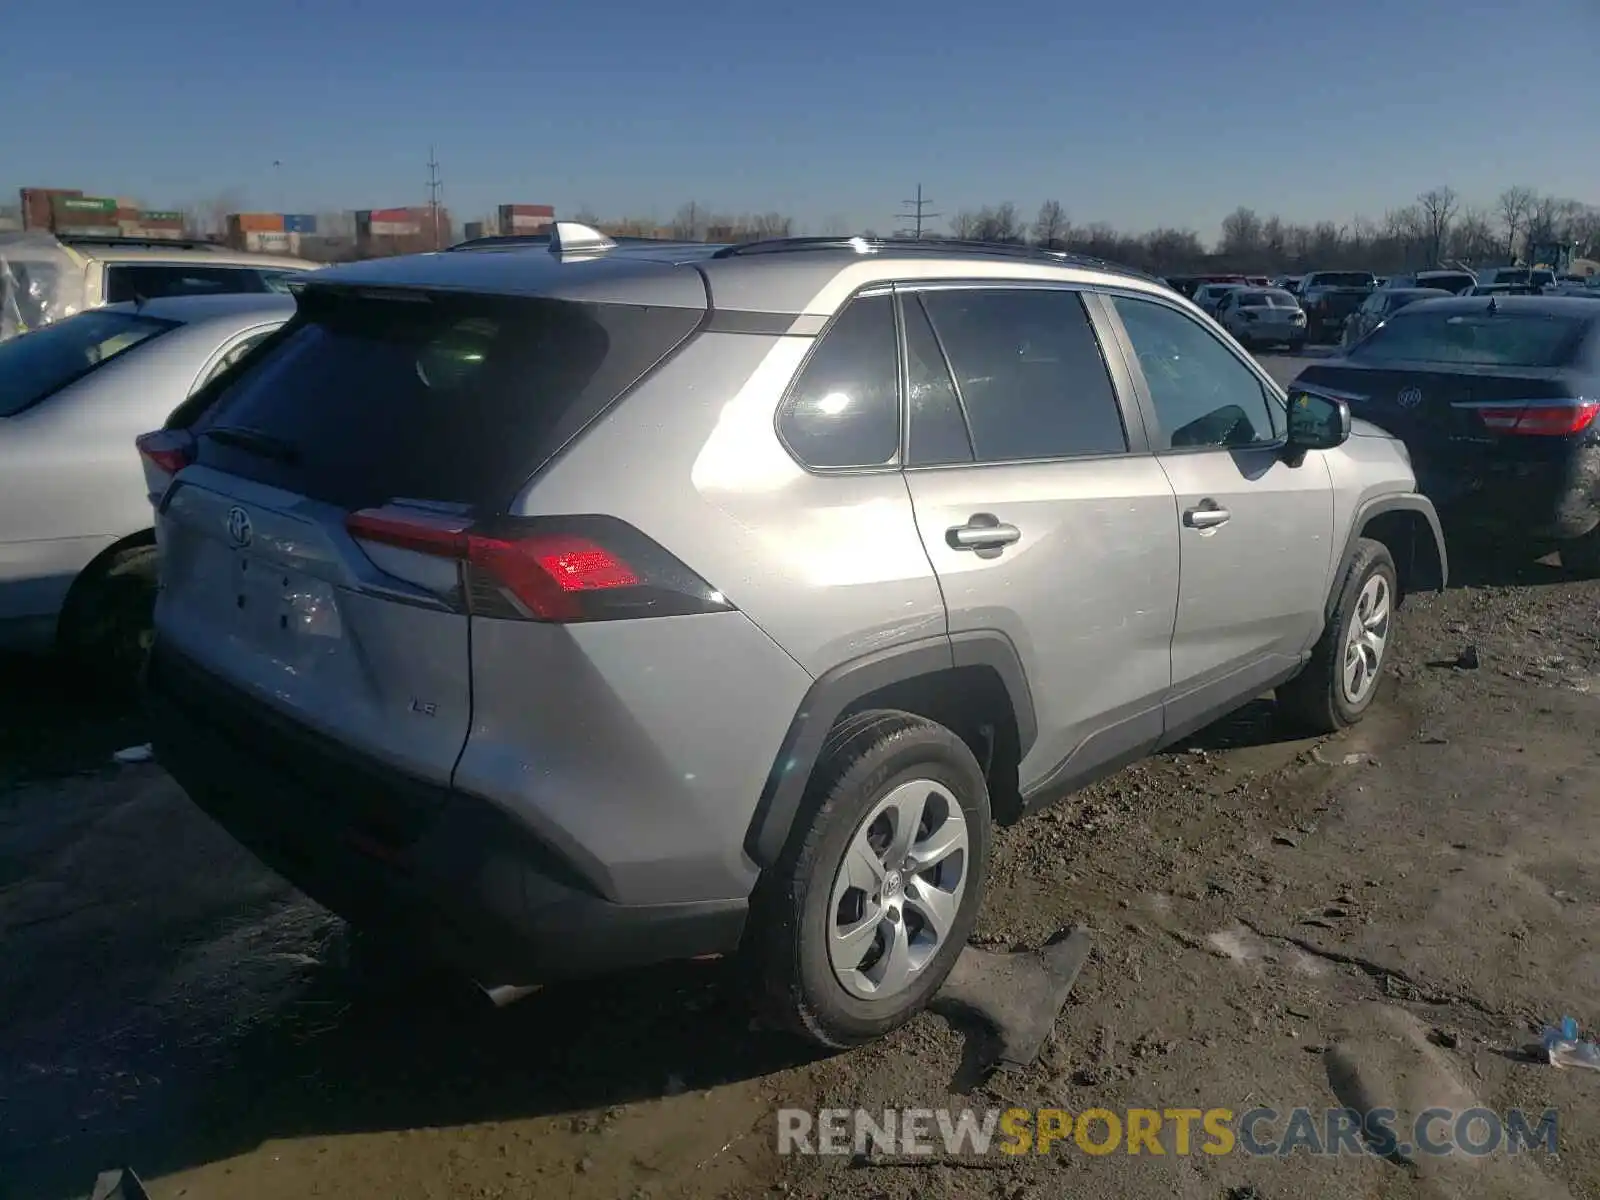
{"points": [[79, 204]]}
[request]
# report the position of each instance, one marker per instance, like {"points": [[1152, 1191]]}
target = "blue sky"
{"points": [[1141, 113]]}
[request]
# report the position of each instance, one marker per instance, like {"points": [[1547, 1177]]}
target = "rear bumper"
{"points": [[449, 875], [1547, 501]]}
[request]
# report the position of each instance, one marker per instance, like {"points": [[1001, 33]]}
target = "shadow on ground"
{"points": [[58, 721]]}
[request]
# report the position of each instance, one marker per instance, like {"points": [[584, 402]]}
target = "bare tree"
{"points": [[1544, 225], [586, 216], [1241, 236], [208, 217], [689, 224], [966, 225], [834, 225], [1438, 207], [1474, 240], [1050, 227], [1512, 207]]}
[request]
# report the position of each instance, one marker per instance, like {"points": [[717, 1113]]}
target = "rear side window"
{"points": [[456, 399], [844, 407], [938, 428], [39, 364], [1029, 372], [1481, 339], [140, 281]]}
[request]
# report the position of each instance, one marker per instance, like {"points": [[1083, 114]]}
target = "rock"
{"points": [[1468, 659], [585, 1165], [1284, 839]]}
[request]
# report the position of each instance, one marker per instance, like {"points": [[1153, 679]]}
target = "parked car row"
{"points": [[550, 610]]}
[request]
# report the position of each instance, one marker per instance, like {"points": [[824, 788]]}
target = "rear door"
{"points": [[1042, 512], [431, 408], [1256, 533]]}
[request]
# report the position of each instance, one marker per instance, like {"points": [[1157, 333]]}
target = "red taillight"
{"points": [[170, 450], [1541, 418], [584, 568]]}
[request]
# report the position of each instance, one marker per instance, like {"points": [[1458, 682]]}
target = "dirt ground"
{"points": [[1377, 917]]}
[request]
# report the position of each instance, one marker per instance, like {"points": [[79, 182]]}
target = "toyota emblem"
{"points": [[1411, 397], [239, 530]]}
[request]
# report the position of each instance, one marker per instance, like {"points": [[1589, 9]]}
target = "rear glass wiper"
{"points": [[253, 441]]}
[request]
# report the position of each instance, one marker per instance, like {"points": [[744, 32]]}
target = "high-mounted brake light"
{"points": [[566, 569], [1541, 418], [169, 450]]}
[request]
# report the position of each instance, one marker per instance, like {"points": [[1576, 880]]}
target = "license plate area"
{"points": [[281, 608]]}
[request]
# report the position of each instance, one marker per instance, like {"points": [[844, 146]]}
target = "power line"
{"points": [[915, 216], [435, 188]]}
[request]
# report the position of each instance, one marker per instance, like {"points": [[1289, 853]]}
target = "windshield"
{"points": [[47, 360], [1341, 279], [1480, 339]]}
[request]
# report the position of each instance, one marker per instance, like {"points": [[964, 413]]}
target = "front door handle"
{"points": [[1207, 516], [983, 531]]}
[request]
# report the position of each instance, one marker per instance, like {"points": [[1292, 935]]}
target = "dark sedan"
{"points": [[1380, 306], [1496, 399]]}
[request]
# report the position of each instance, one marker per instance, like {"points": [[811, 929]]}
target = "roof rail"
{"points": [[870, 245], [71, 239], [512, 241]]}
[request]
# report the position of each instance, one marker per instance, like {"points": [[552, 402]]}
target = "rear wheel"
{"points": [[106, 623], [861, 920], [1340, 682], [1582, 555], [1297, 346]]}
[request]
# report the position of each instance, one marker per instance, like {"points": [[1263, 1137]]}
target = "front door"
{"points": [[1255, 533], [1043, 513]]}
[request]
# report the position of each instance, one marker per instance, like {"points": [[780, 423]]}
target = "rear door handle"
{"points": [[1207, 516], [983, 531]]}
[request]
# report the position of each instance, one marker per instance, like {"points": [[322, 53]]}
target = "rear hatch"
{"points": [[1463, 422], [302, 536]]}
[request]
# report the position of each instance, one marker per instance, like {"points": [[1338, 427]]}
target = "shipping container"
{"points": [[255, 222], [391, 216], [545, 212], [268, 241], [89, 231], [299, 223], [395, 229], [36, 212], [94, 206], [473, 230], [160, 216]]}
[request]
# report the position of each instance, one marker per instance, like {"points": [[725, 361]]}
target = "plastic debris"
{"points": [[1566, 1048], [136, 754]]}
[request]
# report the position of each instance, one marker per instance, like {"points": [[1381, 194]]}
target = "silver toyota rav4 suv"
{"points": [[575, 607]]}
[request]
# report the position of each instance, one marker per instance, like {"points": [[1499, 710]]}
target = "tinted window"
{"points": [[938, 429], [127, 281], [234, 354], [363, 400], [40, 363], [1475, 339], [1029, 371], [1203, 395], [844, 409]]}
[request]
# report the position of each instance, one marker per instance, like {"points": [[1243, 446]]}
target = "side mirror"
{"points": [[1316, 422]]}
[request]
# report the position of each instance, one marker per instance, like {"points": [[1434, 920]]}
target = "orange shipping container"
{"points": [[257, 222]]}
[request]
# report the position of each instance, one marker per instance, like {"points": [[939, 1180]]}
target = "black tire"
{"points": [[865, 757], [1315, 701], [106, 622], [1581, 556], [1297, 347]]}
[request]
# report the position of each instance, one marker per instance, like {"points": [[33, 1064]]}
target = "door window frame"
{"points": [[1123, 387], [1276, 400]]}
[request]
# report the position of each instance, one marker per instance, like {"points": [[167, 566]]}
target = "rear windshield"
{"points": [[1474, 339], [453, 399], [1271, 298], [1340, 279], [1450, 283], [150, 281], [38, 364]]}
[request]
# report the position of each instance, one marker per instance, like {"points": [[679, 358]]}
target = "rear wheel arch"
{"points": [[972, 683], [96, 568], [1408, 526]]}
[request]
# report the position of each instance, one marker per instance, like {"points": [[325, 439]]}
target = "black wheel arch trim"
{"points": [[835, 690], [1400, 502]]}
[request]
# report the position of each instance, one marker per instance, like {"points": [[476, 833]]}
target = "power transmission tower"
{"points": [[435, 189], [916, 216]]}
